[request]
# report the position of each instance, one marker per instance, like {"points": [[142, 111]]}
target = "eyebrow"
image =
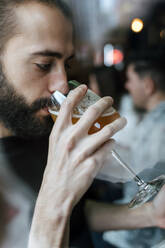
{"points": [[48, 53]]}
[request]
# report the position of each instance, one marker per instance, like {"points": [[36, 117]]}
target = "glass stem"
{"points": [[137, 179]]}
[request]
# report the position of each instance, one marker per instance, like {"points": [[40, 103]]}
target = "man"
{"points": [[36, 47], [146, 85], [147, 88], [34, 57]]}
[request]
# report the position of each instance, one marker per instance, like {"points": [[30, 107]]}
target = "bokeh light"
{"points": [[137, 25]]}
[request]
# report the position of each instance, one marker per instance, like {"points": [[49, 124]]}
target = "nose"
{"points": [[126, 85], [58, 81]]}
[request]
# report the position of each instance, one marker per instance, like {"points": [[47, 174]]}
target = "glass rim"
{"points": [[78, 116]]}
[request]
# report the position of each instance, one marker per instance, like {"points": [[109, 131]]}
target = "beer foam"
{"points": [[89, 99]]}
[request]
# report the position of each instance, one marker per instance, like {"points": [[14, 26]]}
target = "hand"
{"points": [[75, 157], [158, 205]]}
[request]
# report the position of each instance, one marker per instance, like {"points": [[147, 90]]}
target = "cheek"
{"points": [[33, 88], [130, 85], [26, 83], [24, 79], [139, 97]]}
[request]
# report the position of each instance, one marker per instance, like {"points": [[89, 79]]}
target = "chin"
{"points": [[42, 126]]}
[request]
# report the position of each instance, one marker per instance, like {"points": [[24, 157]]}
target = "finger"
{"points": [[65, 113], [93, 113], [94, 163], [95, 141], [109, 130]]}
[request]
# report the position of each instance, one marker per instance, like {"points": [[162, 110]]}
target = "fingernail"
{"points": [[109, 98], [83, 86]]}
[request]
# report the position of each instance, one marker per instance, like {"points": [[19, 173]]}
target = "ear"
{"points": [[149, 86]]}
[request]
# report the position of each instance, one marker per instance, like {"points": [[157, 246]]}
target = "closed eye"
{"points": [[44, 67]]}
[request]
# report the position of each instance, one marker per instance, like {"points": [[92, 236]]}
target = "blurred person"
{"points": [[146, 85], [106, 81], [34, 56], [134, 116], [15, 209]]}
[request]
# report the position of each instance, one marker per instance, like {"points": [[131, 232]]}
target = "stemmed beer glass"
{"points": [[146, 189]]}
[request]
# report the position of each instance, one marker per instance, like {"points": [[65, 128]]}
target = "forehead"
{"points": [[131, 72], [130, 68], [44, 26]]}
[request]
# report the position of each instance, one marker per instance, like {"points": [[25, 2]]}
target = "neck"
{"points": [[4, 132], [155, 100]]}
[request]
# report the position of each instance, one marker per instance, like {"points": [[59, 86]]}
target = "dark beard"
{"points": [[18, 116]]}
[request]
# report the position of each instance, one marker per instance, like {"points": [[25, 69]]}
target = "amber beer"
{"points": [[98, 124], [89, 99]]}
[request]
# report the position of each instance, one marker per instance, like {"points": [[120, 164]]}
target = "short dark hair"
{"points": [[8, 24], [154, 69], [149, 63]]}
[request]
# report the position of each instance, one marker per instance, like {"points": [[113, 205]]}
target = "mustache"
{"points": [[40, 104]]}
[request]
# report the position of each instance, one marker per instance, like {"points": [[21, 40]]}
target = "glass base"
{"points": [[147, 191]]}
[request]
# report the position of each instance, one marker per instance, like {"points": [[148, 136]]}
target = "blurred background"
{"points": [[107, 31]]}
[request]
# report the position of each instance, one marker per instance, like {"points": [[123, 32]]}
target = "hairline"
{"points": [[13, 20]]}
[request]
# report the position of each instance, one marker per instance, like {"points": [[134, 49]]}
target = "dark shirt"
{"points": [[27, 159]]}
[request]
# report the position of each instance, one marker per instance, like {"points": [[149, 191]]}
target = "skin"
{"points": [[80, 160], [40, 55], [143, 90], [136, 87], [103, 217], [74, 157]]}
